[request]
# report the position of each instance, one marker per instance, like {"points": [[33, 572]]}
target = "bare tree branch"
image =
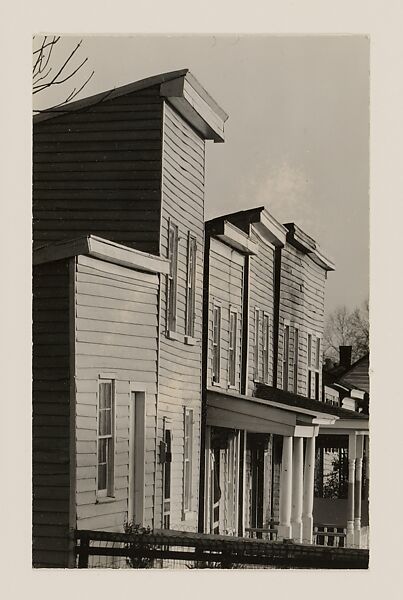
{"points": [[42, 73]]}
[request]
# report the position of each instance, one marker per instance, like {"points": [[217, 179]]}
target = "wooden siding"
{"points": [[180, 364], [302, 294], [261, 296], [51, 415], [358, 375], [99, 171], [116, 332], [225, 290]]}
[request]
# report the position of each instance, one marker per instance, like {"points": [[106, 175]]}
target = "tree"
{"points": [[45, 73], [347, 328]]}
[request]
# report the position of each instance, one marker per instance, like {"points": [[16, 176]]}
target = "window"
{"points": [[216, 343], [314, 365], [296, 356], [256, 370], [166, 476], [105, 438], [191, 287], [232, 352], [266, 347], [187, 460], [317, 372], [172, 276], [286, 354]]}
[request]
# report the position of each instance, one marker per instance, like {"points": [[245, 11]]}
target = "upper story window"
{"points": [[266, 347], [256, 365], [314, 365], [172, 277], [216, 343], [105, 438], [296, 359], [286, 355], [191, 286], [232, 351]]}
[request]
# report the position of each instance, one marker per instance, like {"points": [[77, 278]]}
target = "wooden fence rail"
{"points": [[177, 549]]}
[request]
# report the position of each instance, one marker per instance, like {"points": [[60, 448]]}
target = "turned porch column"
{"points": [[297, 484], [351, 486], [308, 484], [284, 529], [358, 490]]}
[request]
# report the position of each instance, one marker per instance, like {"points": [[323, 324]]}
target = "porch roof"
{"points": [[233, 410], [297, 401]]}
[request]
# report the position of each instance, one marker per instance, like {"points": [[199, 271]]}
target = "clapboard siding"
{"points": [[302, 297], [225, 290], [51, 415], [180, 364], [261, 297], [98, 171], [116, 334]]}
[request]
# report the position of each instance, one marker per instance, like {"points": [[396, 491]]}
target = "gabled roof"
{"points": [[296, 400], [357, 376], [180, 88], [97, 247]]}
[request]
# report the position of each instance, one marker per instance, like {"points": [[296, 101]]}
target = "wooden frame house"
{"points": [[124, 168]]}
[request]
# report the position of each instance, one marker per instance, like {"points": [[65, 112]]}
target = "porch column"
{"points": [[351, 482], [284, 529], [297, 483], [307, 500], [358, 490]]}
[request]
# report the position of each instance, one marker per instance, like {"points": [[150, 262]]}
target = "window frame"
{"points": [[172, 277], [256, 348], [266, 347], [295, 365], [188, 427], [232, 349], [109, 490], [216, 346], [286, 355], [191, 285], [314, 367]]}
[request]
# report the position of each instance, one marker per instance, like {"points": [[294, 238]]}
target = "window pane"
{"points": [[105, 395], [102, 450], [105, 422], [102, 477]]}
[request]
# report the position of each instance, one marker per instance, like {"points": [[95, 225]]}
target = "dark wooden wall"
{"points": [[51, 415], [99, 171]]}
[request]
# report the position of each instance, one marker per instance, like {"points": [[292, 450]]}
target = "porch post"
{"points": [[307, 501], [351, 481], [297, 483], [358, 490], [284, 529]]}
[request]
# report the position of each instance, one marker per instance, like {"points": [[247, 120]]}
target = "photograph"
{"points": [[200, 301]]}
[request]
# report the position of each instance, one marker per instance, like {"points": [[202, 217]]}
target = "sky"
{"points": [[297, 136]]}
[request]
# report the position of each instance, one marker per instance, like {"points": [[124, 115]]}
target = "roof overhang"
{"points": [[270, 229], [97, 247], [237, 411], [232, 236], [303, 242], [196, 106], [180, 88]]}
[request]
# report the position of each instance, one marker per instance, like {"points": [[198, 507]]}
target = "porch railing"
{"points": [[182, 550], [329, 535]]}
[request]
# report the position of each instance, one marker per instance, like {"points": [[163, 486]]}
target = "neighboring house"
{"points": [[264, 312], [343, 456], [127, 166]]}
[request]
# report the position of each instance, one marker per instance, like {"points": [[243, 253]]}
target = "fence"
{"points": [[179, 550], [329, 535]]}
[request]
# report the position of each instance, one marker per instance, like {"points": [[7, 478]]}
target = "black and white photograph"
{"points": [[200, 301]]}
